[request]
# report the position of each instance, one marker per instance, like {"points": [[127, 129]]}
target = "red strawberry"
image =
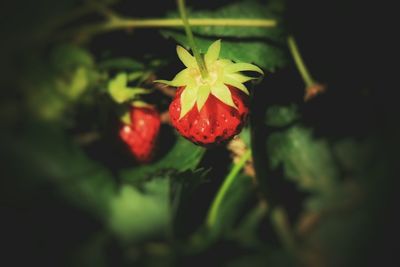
{"points": [[141, 135], [215, 123], [211, 103]]}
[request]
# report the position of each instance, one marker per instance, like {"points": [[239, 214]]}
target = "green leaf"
{"points": [[137, 214], [68, 57], [306, 161], [281, 116], [247, 231], [119, 90], [127, 64], [262, 46], [183, 185], [47, 154], [182, 157], [232, 204]]}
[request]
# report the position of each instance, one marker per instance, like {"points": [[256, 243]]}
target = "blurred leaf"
{"points": [[351, 154], [262, 46], [266, 257], [232, 204], [52, 87], [245, 136], [120, 91], [68, 57], [92, 252], [305, 161], [281, 116], [49, 154], [75, 85], [183, 186], [247, 231], [183, 156], [138, 214], [127, 64], [45, 103]]}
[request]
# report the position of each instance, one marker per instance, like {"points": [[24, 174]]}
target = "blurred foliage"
{"points": [[59, 144], [262, 46]]}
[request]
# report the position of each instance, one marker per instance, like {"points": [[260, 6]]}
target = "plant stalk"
{"points": [[214, 209], [189, 34], [298, 59]]}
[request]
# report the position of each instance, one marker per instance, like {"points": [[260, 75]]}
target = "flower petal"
{"points": [[222, 92], [202, 96], [236, 67], [213, 52], [228, 79], [187, 59], [188, 99]]}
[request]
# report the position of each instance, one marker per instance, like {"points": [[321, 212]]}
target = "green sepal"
{"points": [[125, 118], [222, 92], [237, 67], [202, 96], [213, 52], [120, 92], [187, 59], [188, 99], [181, 79]]}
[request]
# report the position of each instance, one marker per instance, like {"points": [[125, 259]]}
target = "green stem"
{"points": [[214, 209], [129, 23], [305, 74], [189, 34]]}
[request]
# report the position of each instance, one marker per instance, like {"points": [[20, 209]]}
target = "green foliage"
{"points": [[155, 214], [182, 157], [136, 214], [232, 204], [281, 116], [120, 91], [53, 87], [306, 161], [51, 155], [122, 63], [262, 46]]}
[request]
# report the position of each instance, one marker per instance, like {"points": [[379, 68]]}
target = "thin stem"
{"points": [[294, 50], [167, 23], [127, 23], [214, 209], [189, 34]]}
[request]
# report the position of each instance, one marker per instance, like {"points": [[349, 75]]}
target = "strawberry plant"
{"points": [[194, 133]]}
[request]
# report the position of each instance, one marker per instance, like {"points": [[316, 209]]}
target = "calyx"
{"points": [[221, 72]]}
